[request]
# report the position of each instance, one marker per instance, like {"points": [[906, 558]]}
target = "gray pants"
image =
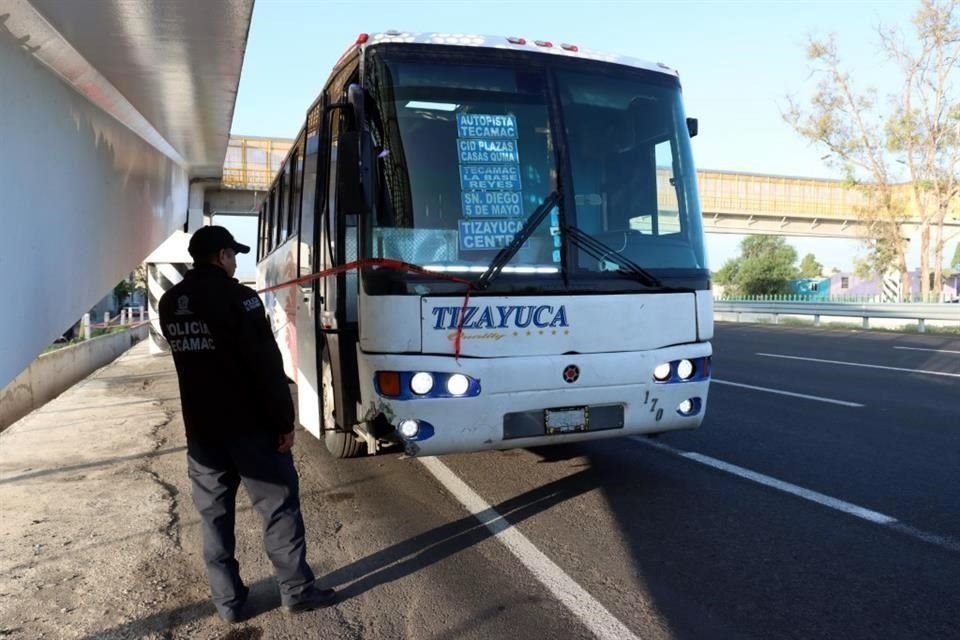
{"points": [[271, 482]]}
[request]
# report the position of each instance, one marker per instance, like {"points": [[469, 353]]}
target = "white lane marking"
{"points": [[863, 513], [842, 403], [861, 364], [584, 606], [922, 349]]}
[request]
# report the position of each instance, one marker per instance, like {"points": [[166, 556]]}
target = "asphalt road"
{"points": [[782, 517]]}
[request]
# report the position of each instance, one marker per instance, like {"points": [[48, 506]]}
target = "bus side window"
{"points": [[283, 203], [274, 215], [296, 187], [262, 232], [668, 205]]}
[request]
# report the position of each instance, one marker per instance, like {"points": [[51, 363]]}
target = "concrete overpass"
{"points": [[745, 203], [116, 116], [732, 202]]}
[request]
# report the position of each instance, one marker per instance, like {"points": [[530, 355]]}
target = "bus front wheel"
{"points": [[340, 443]]}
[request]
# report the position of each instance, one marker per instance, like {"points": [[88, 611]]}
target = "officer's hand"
{"points": [[286, 442]]}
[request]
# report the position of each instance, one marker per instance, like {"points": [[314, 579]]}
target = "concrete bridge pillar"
{"points": [[161, 276]]}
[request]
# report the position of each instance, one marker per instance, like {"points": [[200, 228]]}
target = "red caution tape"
{"points": [[114, 322], [387, 263]]}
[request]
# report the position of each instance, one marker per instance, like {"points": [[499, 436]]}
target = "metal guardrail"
{"points": [[919, 312]]}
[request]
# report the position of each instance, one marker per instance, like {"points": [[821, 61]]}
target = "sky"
{"points": [[738, 61]]}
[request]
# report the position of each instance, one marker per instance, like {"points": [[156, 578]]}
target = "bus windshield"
{"points": [[469, 149]]}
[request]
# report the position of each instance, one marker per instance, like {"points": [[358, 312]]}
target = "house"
{"points": [[849, 285]]}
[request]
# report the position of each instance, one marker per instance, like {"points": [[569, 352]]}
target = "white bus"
{"points": [[555, 185]]}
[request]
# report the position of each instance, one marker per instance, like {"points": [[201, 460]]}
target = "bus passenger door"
{"points": [[308, 301]]}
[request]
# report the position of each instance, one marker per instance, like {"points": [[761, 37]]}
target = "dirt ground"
{"points": [[98, 537]]}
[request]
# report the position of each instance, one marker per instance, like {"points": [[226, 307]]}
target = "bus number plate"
{"points": [[566, 420]]}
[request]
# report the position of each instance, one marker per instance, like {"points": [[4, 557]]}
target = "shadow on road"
{"points": [[421, 551]]}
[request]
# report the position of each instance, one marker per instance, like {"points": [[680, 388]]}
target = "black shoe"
{"points": [[312, 598], [238, 612]]}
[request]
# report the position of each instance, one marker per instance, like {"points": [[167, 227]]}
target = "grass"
{"points": [[95, 333]]}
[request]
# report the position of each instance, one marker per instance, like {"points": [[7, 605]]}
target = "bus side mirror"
{"points": [[356, 173], [692, 126], [349, 187]]}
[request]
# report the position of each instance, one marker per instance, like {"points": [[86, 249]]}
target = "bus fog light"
{"points": [[408, 428], [689, 407], [421, 383], [685, 369], [458, 384], [662, 372]]}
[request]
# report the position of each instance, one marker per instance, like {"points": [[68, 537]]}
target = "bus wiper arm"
{"points": [[600, 251], [506, 254]]}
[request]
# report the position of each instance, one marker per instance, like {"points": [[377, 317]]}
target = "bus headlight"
{"points": [[662, 372], [421, 383], [458, 384], [685, 369]]}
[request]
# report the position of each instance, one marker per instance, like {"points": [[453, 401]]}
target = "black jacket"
{"points": [[228, 363]]}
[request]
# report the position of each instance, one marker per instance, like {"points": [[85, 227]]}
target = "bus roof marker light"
{"points": [[543, 43], [362, 38], [513, 40], [570, 47]]}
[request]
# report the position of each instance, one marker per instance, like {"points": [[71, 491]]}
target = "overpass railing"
{"points": [[917, 312], [252, 162]]}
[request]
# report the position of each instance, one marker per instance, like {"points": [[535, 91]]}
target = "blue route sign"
{"points": [[492, 204], [487, 234], [490, 177], [486, 125], [487, 150]]}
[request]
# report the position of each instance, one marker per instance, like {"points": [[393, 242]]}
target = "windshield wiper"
{"points": [[506, 254], [600, 251]]}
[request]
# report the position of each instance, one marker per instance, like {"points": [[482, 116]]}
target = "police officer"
{"points": [[239, 418]]}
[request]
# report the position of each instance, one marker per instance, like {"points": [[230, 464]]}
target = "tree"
{"points": [[955, 263], [140, 280], [907, 155], [764, 267], [122, 291], [727, 273], [925, 129], [809, 267]]}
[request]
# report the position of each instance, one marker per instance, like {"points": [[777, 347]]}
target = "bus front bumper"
{"points": [[537, 400]]}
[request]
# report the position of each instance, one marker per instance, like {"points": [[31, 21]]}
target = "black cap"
{"points": [[208, 240]]}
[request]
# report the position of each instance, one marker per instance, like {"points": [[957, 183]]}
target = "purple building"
{"points": [[848, 284]]}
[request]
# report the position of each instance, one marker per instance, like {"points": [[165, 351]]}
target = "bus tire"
{"points": [[341, 444]]}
